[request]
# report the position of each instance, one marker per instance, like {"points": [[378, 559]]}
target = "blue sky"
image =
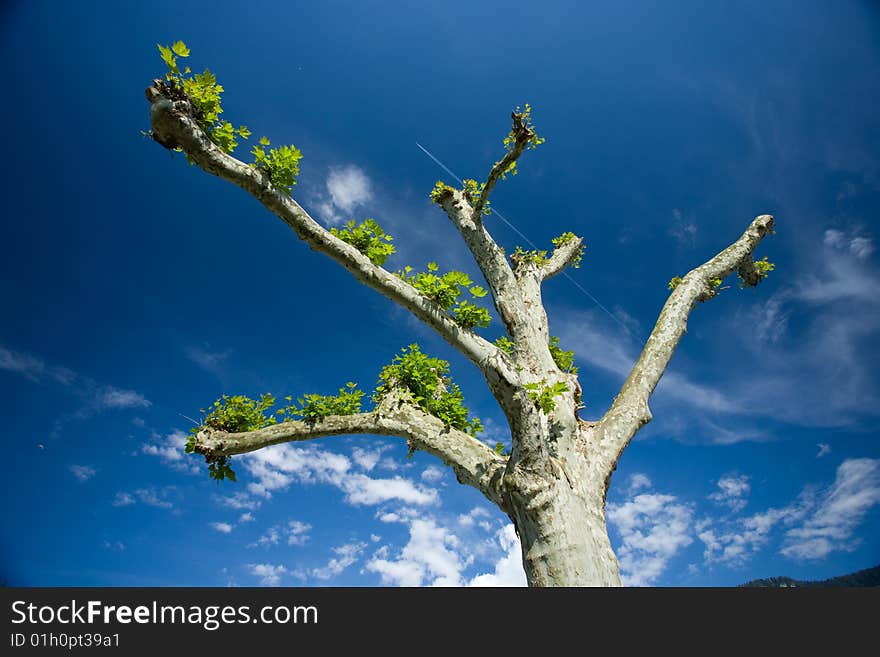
{"points": [[138, 289]]}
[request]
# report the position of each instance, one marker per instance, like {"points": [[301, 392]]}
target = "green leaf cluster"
{"points": [[501, 449], [543, 395], [368, 238], [473, 190], [674, 282], [440, 191], [281, 164], [445, 290], [564, 359], [505, 344], [426, 378], [312, 407], [525, 116], [564, 239], [763, 267], [203, 92], [535, 257]]}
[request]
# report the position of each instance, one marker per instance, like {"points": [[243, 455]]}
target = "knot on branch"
{"points": [[522, 133]]}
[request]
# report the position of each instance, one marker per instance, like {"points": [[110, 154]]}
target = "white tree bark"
{"points": [[553, 484]]}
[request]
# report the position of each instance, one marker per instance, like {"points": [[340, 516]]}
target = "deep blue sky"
{"points": [[137, 289]]}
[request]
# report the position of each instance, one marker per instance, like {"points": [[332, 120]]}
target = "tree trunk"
{"points": [[558, 510]]}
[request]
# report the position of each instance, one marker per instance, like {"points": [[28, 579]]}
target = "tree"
{"points": [[553, 482]]}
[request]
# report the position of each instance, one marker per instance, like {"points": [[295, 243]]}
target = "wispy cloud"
{"points": [[813, 526], [732, 491], [268, 574], [152, 496], [222, 527], [208, 360], [683, 230], [345, 556], [831, 525], [82, 472], [824, 448], [347, 187], [275, 468], [170, 450], [653, 528]]}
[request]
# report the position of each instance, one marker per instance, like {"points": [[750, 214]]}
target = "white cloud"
{"points": [[367, 458], [269, 574], [270, 538], [509, 570], [170, 450], [348, 187], [222, 527], [246, 517], [432, 474], [82, 472], [210, 361], [653, 529], [430, 557], [859, 246], [731, 492], [28, 366], [637, 482], [123, 499], [148, 496], [275, 468], [298, 532], [110, 397], [824, 448], [814, 525], [683, 231], [240, 500], [473, 516], [346, 555], [830, 527], [113, 546], [361, 489]]}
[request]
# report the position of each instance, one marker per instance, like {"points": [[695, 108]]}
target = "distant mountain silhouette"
{"points": [[867, 577]]}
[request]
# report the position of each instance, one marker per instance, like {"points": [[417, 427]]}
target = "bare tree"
{"points": [[554, 480]]}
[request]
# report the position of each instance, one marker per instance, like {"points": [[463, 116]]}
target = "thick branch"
{"points": [[630, 411], [173, 127], [474, 463], [491, 261], [561, 257]]}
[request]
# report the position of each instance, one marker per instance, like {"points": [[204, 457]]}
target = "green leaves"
{"points": [[180, 49], [524, 118], [312, 407], [426, 378], [368, 238], [282, 164], [564, 359], [440, 192], [446, 289], [505, 344], [674, 282], [203, 93], [521, 257], [566, 238], [542, 395], [471, 316]]}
